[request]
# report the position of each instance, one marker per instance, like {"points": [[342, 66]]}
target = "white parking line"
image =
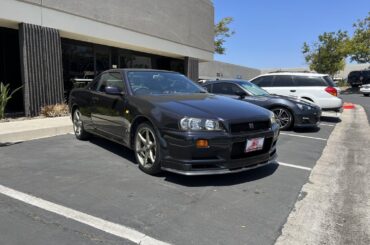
{"points": [[303, 136], [294, 166], [325, 124], [98, 223]]}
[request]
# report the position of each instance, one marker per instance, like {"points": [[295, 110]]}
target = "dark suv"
{"points": [[357, 78]]}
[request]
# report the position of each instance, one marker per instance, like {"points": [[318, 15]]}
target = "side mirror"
{"points": [[113, 90], [241, 94]]}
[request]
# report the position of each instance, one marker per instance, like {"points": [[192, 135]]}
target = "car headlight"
{"points": [[196, 124], [304, 107]]}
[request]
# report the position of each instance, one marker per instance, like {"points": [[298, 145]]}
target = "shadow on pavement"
{"points": [[115, 148], [191, 181], [331, 119], [9, 143], [351, 91], [221, 180], [306, 130]]}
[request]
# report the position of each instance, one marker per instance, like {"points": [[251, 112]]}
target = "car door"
{"points": [[283, 85], [108, 115]]}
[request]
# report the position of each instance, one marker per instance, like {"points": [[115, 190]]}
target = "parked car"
{"points": [[365, 89], [173, 124], [288, 111], [357, 78], [317, 88]]}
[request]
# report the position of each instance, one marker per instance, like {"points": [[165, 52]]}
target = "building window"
{"points": [[82, 60]]}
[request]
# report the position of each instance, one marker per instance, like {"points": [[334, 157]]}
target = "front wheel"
{"points": [[78, 126], [284, 117], [147, 149]]}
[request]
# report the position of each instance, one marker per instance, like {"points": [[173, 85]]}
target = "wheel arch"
{"points": [[285, 107], [135, 123]]}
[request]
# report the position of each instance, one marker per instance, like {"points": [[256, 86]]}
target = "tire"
{"points": [[78, 126], [147, 149], [284, 117], [367, 95]]}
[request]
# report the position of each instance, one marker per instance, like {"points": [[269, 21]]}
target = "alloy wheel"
{"points": [[284, 117], [77, 123], [146, 147]]}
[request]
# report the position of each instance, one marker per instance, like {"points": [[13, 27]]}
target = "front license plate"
{"points": [[255, 144]]}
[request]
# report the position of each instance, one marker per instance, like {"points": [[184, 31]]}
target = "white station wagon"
{"points": [[317, 88]]}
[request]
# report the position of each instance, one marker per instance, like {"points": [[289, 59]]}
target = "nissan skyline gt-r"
{"points": [[173, 124]]}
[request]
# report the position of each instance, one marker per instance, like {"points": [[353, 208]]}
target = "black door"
{"points": [[108, 114]]}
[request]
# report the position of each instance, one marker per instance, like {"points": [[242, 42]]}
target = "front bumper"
{"points": [[224, 155], [309, 118]]}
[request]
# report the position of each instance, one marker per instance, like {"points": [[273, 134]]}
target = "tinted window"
{"points": [[94, 84], [158, 83], [265, 81], [329, 81], [208, 87], [226, 88], [307, 81], [283, 81], [111, 79]]}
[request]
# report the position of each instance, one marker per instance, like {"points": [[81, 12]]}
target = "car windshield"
{"points": [[159, 83], [253, 89]]}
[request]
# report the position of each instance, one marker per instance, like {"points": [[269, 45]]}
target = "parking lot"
{"points": [[101, 179]]}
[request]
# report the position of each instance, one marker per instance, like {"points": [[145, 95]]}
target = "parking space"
{"points": [[101, 179]]}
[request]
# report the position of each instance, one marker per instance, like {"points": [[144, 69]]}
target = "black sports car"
{"points": [[289, 111], [173, 124]]}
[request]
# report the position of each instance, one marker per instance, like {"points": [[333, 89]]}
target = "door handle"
{"points": [[293, 90]]}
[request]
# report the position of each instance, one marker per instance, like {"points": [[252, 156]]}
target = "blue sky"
{"points": [[270, 33]]}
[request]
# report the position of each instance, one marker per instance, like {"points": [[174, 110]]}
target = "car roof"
{"points": [[305, 74], [138, 69], [238, 81]]}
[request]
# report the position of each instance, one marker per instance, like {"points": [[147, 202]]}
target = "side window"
{"points": [[111, 79], [305, 81], [94, 84], [115, 80], [102, 82], [265, 81], [226, 88], [208, 87], [283, 81]]}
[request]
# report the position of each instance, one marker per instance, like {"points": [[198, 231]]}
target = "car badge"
{"points": [[251, 125]]}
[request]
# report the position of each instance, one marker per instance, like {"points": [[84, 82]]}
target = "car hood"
{"points": [[208, 106]]}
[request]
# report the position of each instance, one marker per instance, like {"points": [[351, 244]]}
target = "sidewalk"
{"points": [[334, 206], [16, 131]]}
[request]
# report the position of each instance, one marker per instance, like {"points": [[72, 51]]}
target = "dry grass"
{"points": [[57, 110]]}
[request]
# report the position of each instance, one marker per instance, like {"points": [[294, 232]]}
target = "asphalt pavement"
{"points": [[354, 96], [101, 179]]}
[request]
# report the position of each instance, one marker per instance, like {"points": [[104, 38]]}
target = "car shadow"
{"points": [[351, 91], [330, 119], [115, 148], [221, 180], [190, 181], [306, 130]]}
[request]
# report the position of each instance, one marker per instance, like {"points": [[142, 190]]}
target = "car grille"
{"points": [[249, 126], [238, 150]]}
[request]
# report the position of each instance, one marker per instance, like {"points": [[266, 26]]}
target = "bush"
{"points": [[57, 110]]}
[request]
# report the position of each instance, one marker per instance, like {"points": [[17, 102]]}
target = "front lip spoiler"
{"points": [[220, 171]]}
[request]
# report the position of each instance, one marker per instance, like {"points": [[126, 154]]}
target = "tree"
{"points": [[327, 55], [360, 43], [222, 31]]}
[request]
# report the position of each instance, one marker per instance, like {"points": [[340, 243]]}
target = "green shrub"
{"points": [[5, 96]]}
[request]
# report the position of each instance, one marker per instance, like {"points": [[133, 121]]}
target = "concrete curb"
{"points": [[333, 207], [18, 131]]}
